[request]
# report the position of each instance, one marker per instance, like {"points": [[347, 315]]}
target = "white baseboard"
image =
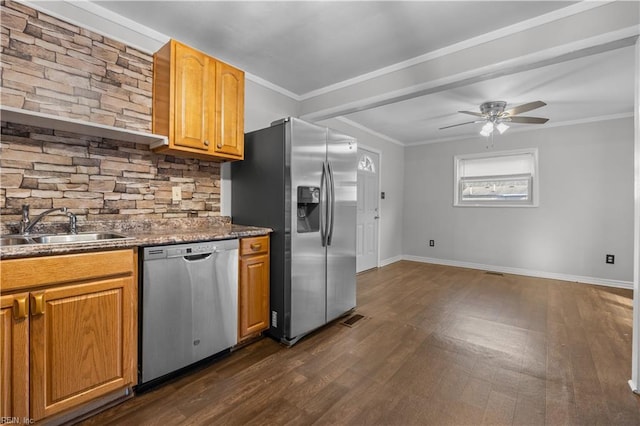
{"points": [[391, 260], [516, 271]]}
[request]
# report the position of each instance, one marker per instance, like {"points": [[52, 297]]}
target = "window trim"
{"points": [[457, 180]]}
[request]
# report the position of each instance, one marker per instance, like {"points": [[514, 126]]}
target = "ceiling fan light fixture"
{"points": [[502, 127], [487, 129], [494, 115]]}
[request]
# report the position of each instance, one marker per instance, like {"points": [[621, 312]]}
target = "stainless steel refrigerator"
{"points": [[299, 179]]}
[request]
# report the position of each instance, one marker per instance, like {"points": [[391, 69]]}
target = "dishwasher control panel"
{"points": [[189, 249]]}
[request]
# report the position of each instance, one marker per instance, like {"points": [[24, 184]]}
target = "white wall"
{"points": [[585, 211], [391, 183], [261, 107]]}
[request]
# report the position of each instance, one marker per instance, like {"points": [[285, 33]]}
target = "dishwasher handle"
{"points": [[196, 257]]}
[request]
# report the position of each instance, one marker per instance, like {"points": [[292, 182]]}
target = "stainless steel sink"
{"points": [[12, 240], [76, 238]]}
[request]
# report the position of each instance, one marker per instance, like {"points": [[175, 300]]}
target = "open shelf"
{"points": [[48, 121]]}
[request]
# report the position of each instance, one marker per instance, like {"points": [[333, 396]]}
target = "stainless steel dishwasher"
{"points": [[189, 308]]}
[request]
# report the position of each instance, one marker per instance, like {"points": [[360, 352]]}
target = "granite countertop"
{"points": [[139, 234]]}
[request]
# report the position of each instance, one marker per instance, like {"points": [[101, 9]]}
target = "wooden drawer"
{"points": [[50, 270], [254, 245]]}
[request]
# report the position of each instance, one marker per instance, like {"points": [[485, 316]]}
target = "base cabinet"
{"points": [[71, 336], [253, 287], [14, 358]]}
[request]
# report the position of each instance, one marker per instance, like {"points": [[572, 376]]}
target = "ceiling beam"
{"points": [[592, 31]]}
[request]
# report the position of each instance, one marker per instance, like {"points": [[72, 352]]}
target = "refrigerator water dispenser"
{"points": [[308, 211]]}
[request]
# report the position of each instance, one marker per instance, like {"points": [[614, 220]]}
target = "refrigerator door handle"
{"points": [[323, 205], [332, 202]]}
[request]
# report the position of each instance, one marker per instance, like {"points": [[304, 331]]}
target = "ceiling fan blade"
{"points": [[528, 120], [477, 114], [461, 124], [523, 108]]}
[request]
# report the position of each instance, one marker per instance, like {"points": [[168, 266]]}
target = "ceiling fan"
{"points": [[494, 115]]}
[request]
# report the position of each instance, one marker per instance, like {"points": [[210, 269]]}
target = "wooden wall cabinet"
{"points": [[198, 102], [69, 334], [253, 287]]}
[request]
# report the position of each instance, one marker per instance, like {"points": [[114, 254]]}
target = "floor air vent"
{"points": [[349, 322], [500, 274]]}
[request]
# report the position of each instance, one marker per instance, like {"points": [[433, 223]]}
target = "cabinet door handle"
{"points": [[20, 308], [219, 145], [256, 246], [206, 143], [37, 304]]}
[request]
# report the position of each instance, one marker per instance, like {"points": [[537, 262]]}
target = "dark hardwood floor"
{"points": [[438, 346]]}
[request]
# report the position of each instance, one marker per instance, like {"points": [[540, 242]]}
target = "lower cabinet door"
{"points": [[82, 343], [14, 356], [254, 295]]}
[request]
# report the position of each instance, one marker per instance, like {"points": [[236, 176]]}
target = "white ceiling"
{"points": [[586, 88], [305, 46], [311, 48]]}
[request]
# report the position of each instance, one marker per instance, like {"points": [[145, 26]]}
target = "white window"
{"points": [[507, 178]]}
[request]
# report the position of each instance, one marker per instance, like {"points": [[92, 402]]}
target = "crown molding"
{"points": [[86, 14], [269, 85], [370, 131]]}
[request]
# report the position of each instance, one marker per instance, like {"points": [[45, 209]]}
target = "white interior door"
{"points": [[368, 209]]}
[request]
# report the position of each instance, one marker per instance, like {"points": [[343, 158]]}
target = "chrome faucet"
{"points": [[26, 224], [73, 223]]}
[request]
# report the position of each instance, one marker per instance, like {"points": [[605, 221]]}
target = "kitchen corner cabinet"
{"points": [[253, 286], [198, 103], [68, 330]]}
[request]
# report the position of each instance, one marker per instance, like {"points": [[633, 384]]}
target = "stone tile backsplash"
{"points": [[97, 178], [58, 68]]}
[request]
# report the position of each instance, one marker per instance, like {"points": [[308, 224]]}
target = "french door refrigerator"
{"points": [[299, 179]]}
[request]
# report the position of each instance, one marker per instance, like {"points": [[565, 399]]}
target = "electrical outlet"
{"points": [[432, 243], [610, 259], [176, 194]]}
